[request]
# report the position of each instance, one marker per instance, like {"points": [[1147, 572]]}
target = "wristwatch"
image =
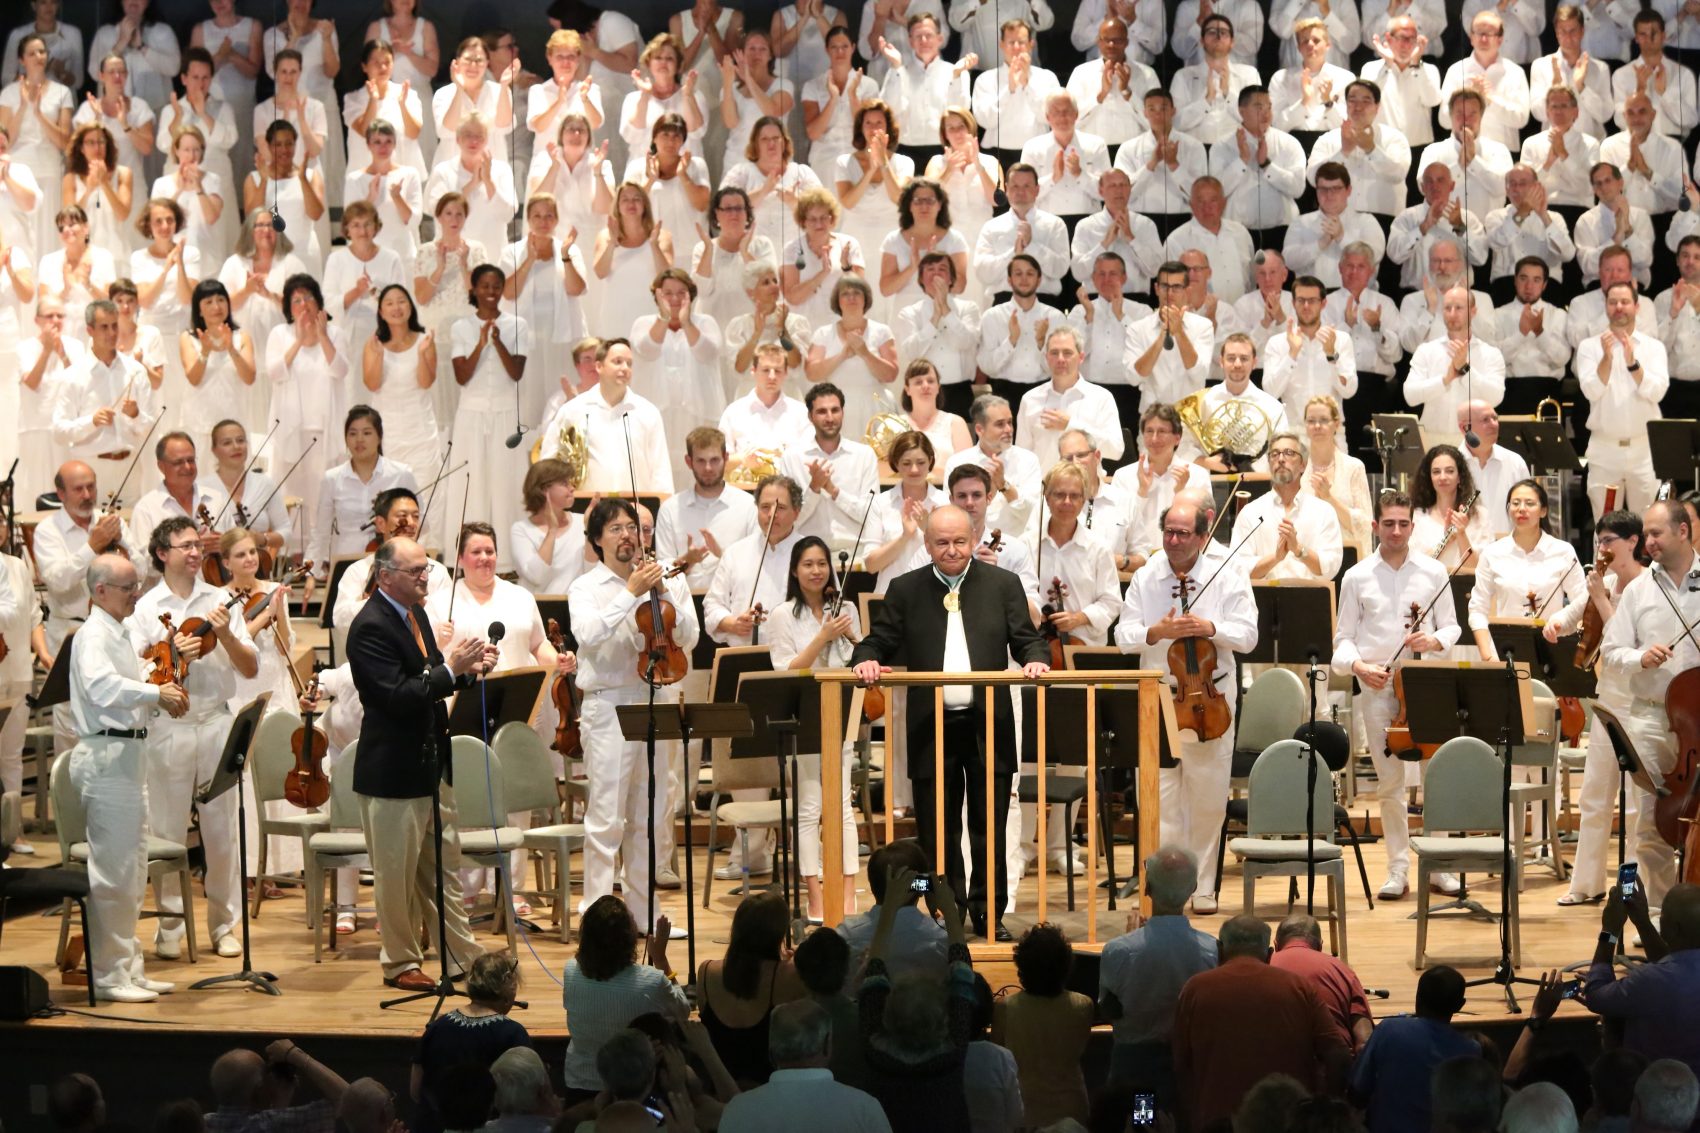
{"points": [[1608, 938], [1331, 359], [1633, 366]]}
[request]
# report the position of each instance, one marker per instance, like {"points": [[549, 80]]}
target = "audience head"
{"points": [[1679, 917], [607, 937], [1612, 1079], [493, 980], [75, 1104], [1465, 1095], [1440, 993], [822, 961], [1666, 1098], [626, 1064], [799, 1036], [1539, 1108], [1043, 959], [1299, 927], [905, 853], [465, 1096], [367, 1106], [1269, 1106], [1244, 935], [758, 933]]}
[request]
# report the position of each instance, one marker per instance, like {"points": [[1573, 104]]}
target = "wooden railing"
{"points": [[1150, 688]]}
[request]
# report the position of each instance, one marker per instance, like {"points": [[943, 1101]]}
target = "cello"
{"points": [[1679, 805], [565, 695]]}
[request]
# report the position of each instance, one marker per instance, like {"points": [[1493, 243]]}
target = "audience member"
{"points": [[1465, 1095], [1612, 1079], [471, 1035], [1269, 1106], [737, 994], [604, 988], [1046, 1026], [253, 1092], [75, 1104], [368, 1106], [990, 1076], [917, 940], [1667, 1097], [823, 964], [1298, 949], [525, 1101], [801, 1091], [1539, 1108], [1390, 1080], [1658, 1002], [465, 1095]]}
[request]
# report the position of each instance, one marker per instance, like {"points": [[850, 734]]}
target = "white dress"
{"points": [[322, 86], [886, 524], [308, 397], [221, 394], [817, 308], [439, 315], [899, 250], [50, 280], [407, 71], [231, 85], [220, 139], [137, 115], [410, 421], [773, 217], [625, 291], [971, 206], [738, 137], [808, 61], [671, 203], [488, 101], [837, 141], [861, 389], [408, 151], [682, 380], [398, 235], [209, 239], [556, 320], [567, 559], [874, 215], [170, 316], [106, 231], [288, 201], [152, 67], [32, 148], [342, 270], [488, 410], [258, 315]]}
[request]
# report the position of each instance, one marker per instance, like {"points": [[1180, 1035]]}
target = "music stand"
{"points": [[1223, 487], [730, 664], [1295, 625], [1463, 582], [56, 688], [506, 697], [1629, 768], [1675, 446], [238, 745], [1543, 444], [775, 701], [327, 605], [1398, 438], [1552, 663], [1488, 701]]}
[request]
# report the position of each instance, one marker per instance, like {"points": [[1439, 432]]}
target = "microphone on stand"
{"points": [[496, 632]]}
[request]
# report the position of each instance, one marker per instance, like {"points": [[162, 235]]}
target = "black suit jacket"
{"points": [[909, 629], [404, 735]]}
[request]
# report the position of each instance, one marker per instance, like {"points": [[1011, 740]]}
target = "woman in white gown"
{"points": [[1337, 478], [396, 191], [295, 193], [234, 43], [1444, 495], [244, 495], [385, 97], [307, 370], [677, 351], [198, 191], [750, 91], [76, 272], [895, 530], [677, 182], [218, 363], [923, 227], [830, 99], [869, 180], [35, 112], [254, 275], [347, 489], [818, 257], [581, 180], [129, 120], [320, 62], [150, 50], [165, 271], [630, 252], [471, 168], [98, 183], [548, 545], [398, 367], [854, 353], [489, 350], [920, 400], [545, 284], [290, 102], [970, 180], [724, 253], [418, 56], [772, 179], [472, 90], [357, 272], [442, 279], [662, 90], [570, 89], [205, 111]]}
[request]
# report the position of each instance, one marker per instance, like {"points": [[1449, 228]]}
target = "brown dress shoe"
{"points": [[413, 980]]}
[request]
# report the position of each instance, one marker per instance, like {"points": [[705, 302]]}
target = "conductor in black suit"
{"points": [[403, 680], [956, 615]]}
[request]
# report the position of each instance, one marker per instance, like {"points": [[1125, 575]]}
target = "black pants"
{"points": [[964, 777]]}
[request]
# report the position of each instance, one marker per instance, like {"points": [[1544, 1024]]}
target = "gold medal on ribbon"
{"points": [[952, 601]]}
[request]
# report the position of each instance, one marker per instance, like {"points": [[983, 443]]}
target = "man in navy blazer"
{"points": [[957, 615], [403, 681]]}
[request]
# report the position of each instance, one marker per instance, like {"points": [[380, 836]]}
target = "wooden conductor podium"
{"points": [[1150, 688]]}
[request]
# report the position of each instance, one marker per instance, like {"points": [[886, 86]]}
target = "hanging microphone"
{"points": [[496, 632], [1472, 439], [278, 224], [1168, 341], [515, 436]]}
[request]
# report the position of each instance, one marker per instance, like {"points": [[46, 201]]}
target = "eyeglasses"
{"points": [[127, 588], [619, 529], [1285, 454], [184, 547], [417, 572], [1179, 533]]}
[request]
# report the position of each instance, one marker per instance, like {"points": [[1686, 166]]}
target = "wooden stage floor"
{"points": [[341, 995]]}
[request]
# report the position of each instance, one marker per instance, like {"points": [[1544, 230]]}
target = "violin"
{"points": [[1199, 704], [661, 661], [307, 785], [565, 695], [1571, 716], [259, 541], [170, 666], [1593, 622], [994, 543], [1399, 728], [1056, 639], [757, 617], [212, 562]]}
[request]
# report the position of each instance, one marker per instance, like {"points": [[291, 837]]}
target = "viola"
{"points": [[307, 785], [170, 666], [1199, 704], [1593, 622], [1399, 728], [565, 695], [661, 661], [212, 562], [1055, 638], [259, 542]]}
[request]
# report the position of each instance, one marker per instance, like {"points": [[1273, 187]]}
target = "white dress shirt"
{"points": [[1089, 407], [1418, 324], [1344, 29], [1296, 380], [1022, 474], [1483, 188], [1008, 118], [1512, 239], [1620, 407], [1106, 338], [749, 424], [1047, 243], [1594, 103], [600, 424], [566, 558], [605, 626], [1170, 380], [1566, 180], [351, 592], [949, 343], [1228, 249], [1073, 194], [1247, 17], [1227, 605], [1543, 355], [107, 689], [1118, 115], [1680, 332], [1202, 109], [1249, 310], [1374, 610], [1586, 317], [1660, 192], [855, 478], [1437, 402], [1318, 529], [1494, 478], [1596, 230], [1286, 93], [1507, 96], [1141, 530], [1506, 575], [981, 23], [1141, 256], [155, 507], [1644, 618], [1022, 361], [1408, 244], [62, 558], [1407, 96], [1375, 351], [1215, 397], [1162, 190], [1086, 567], [919, 94], [729, 588], [211, 682], [1306, 254], [1378, 176], [1676, 108], [340, 524], [93, 385], [1260, 196], [1524, 21]]}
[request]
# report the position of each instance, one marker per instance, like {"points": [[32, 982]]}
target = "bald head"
{"points": [[367, 1107], [950, 539], [236, 1078]]}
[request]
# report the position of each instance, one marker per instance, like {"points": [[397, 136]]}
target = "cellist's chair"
{"points": [[1463, 829], [270, 765]]}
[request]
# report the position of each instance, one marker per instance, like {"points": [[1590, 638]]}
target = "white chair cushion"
{"points": [[337, 842], [311, 821], [763, 813], [159, 850], [545, 837], [493, 841], [1481, 846], [1282, 849]]}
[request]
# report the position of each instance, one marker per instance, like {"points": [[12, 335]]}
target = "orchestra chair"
{"points": [[1463, 829], [1525, 797], [1571, 760], [1271, 710], [486, 839], [1277, 842], [528, 784], [341, 843], [163, 857], [40, 885], [271, 762]]}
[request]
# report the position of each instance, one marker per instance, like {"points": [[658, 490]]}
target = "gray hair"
{"points": [[1289, 435], [1299, 926], [245, 242], [983, 405], [1171, 876], [1667, 1095], [757, 270], [799, 1032], [626, 1064], [1058, 332], [99, 307], [1359, 248], [1465, 1094], [102, 570], [521, 1080], [1244, 935], [1541, 1107], [915, 1019]]}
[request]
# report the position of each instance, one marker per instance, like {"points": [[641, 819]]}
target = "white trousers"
{"points": [[1375, 708], [1630, 467], [12, 735], [1649, 730], [110, 776], [809, 795], [1193, 800], [1600, 779], [183, 756], [616, 814]]}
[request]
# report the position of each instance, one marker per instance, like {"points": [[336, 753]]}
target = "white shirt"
{"points": [[1086, 567], [1681, 335], [1378, 177], [1047, 243], [1407, 96], [1643, 618], [1119, 116], [1375, 351], [1594, 101], [1408, 245], [211, 682], [345, 507], [1247, 17], [20, 613], [1483, 189], [855, 476], [1141, 534], [1296, 380], [793, 1099], [1215, 397], [979, 24], [1341, 20], [948, 343], [1162, 190], [566, 558], [919, 94], [1318, 529], [1088, 407], [1507, 96], [1210, 115], [605, 626], [1512, 239], [1228, 249], [1660, 192], [1675, 109], [62, 558], [1620, 407], [1228, 605], [1261, 196], [261, 502], [1306, 254], [789, 630], [1418, 324], [1009, 118], [1106, 338], [107, 689], [1170, 379], [1021, 472], [1249, 310], [750, 425], [601, 426], [155, 508], [1072, 194], [1374, 610], [1286, 94], [1586, 316], [1506, 574], [351, 590], [737, 575], [1503, 469], [509, 603], [93, 385], [1021, 361], [1566, 180], [1596, 230], [1142, 255], [1437, 403]]}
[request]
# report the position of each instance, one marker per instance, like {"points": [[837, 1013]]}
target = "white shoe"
{"points": [[732, 871], [23, 848], [228, 945], [125, 993], [1204, 906], [158, 987], [1067, 862], [1395, 887], [168, 949], [665, 878], [1445, 884]]}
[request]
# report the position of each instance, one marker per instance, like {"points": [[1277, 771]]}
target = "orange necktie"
{"points": [[418, 637]]}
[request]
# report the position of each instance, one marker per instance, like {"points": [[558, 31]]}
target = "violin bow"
{"points": [[278, 487], [230, 497], [1687, 626], [1574, 563], [1209, 538], [855, 549], [455, 576], [448, 451], [118, 492], [1187, 606], [1428, 609]]}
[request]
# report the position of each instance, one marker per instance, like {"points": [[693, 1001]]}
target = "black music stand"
{"points": [[56, 688], [731, 662], [1463, 581], [238, 745], [1675, 446], [327, 604], [1398, 438], [1629, 768], [500, 698], [1485, 702], [776, 703], [1544, 444], [1295, 625], [1552, 663]]}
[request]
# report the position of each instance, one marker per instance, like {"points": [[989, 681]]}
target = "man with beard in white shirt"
{"points": [[1119, 229], [1069, 161], [840, 477], [1679, 329], [1377, 156], [1586, 315], [1162, 163], [1226, 243], [1613, 222], [1624, 375], [1012, 472], [1292, 535], [1315, 241], [1371, 320], [1562, 154], [1104, 319], [1110, 90], [1208, 91], [1651, 160], [1410, 86], [696, 525], [1009, 99], [1266, 309], [1025, 230], [1420, 311], [1493, 467], [1306, 94], [1669, 84], [1477, 162], [942, 328], [1448, 372], [1047, 411], [1375, 630], [1261, 168], [1497, 80], [1532, 333], [1170, 350], [1525, 226], [1440, 217], [1312, 359], [1012, 334]]}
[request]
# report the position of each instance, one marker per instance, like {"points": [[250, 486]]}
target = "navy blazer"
{"points": [[404, 735]]}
